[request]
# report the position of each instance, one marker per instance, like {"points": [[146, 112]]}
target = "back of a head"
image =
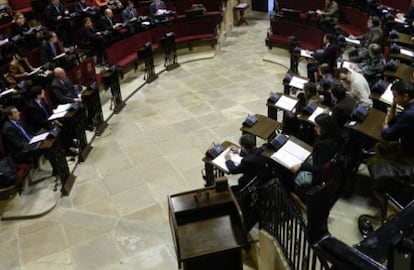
{"points": [[374, 50], [328, 125], [375, 21], [402, 87], [247, 141], [338, 92]]}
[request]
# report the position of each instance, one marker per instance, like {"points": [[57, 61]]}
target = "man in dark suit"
{"points": [[251, 164], [57, 17], [51, 48], [130, 16], [108, 25], [344, 105], [325, 55], [37, 114], [63, 89], [17, 138]]}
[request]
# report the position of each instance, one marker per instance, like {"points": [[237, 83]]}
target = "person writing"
{"points": [[251, 164]]}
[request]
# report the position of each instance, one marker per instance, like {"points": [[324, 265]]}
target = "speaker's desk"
{"points": [[207, 229]]}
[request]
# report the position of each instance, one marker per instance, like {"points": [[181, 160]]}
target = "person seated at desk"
{"points": [[357, 86], [373, 35], [157, 8], [251, 164], [19, 69], [19, 25], [108, 25], [52, 48], [325, 55], [37, 115], [17, 138], [329, 16], [327, 144], [91, 39], [82, 7], [373, 67], [64, 91], [56, 17], [343, 105], [130, 17]]}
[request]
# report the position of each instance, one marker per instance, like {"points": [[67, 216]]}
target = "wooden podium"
{"points": [[207, 229]]}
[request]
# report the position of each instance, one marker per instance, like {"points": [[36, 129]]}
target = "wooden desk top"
{"points": [[372, 125], [225, 145], [404, 72], [185, 201], [404, 39], [209, 236], [264, 127]]}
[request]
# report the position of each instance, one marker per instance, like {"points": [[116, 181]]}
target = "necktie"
{"points": [[20, 127], [53, 49], [43, 106]]}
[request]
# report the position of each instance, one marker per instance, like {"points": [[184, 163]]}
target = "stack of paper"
{"points": [[407, 52], [290, 154], [220, 161], [306, 54], [286, 103], [315, 113], [63, 108], [353, 41], [298, 82], [38, 138]]}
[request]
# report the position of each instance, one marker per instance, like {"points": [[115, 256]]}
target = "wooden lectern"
{"points": [[207, 229]]}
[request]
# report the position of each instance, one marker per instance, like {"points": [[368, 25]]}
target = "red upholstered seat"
{"points": [[23, 6], [352, 21], [309, 37]]}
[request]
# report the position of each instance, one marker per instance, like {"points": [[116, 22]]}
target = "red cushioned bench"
{"points": [[309, 37], [124, 52], [22, 6], [189, 32], [302, 6], [352, 21]]}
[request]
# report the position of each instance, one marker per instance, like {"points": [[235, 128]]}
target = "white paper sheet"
{"points": [[38, 138], [317, 112], [298, 82], [286, 103], [290, 154], [220, 161]]}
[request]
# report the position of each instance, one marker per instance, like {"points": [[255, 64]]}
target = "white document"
{"points": [[315, 113], [286, 103], [399, 20], [242, 5], [353, 41], [62, 108], [220, 161], [38, 138], [59, 56], [347, 64], [407, 52], [34, 71], [298, 82], [306, 54], [57, 115], [387, 96], [8, 91], [290, 154]]}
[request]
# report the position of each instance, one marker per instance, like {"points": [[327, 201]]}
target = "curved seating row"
{"points": [[124, 52]]}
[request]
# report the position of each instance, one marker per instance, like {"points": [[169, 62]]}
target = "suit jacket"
{"points": [[374, 35], [128, 14], [36, 116], [251, 164], [16, 141], [342, 111], [52, 13], [46, 52], [107, 23], [328, 55], [17, 29], [64, 92], [88, 36], [154, 7]]}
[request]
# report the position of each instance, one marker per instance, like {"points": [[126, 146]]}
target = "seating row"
{"points": [[124, 52], [309, 37]]}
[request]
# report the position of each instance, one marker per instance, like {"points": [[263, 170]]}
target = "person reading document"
{"points": [[251, 164], [326, 146]]}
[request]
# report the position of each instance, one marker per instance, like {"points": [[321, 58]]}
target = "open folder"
{"points": [[220, 161], [291, 153]]}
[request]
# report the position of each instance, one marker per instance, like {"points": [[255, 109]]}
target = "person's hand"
{"points": [[227, 156], [318, 11], [295, 168], [234, 149], [59, 18]]}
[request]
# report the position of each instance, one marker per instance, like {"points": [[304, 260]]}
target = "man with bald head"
{"points": [[63, 89]]}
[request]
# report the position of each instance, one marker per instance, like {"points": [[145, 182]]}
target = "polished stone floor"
{"points": [[116, 215]]}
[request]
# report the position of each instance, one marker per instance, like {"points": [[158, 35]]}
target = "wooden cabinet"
{"points": [[208, 230]]}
